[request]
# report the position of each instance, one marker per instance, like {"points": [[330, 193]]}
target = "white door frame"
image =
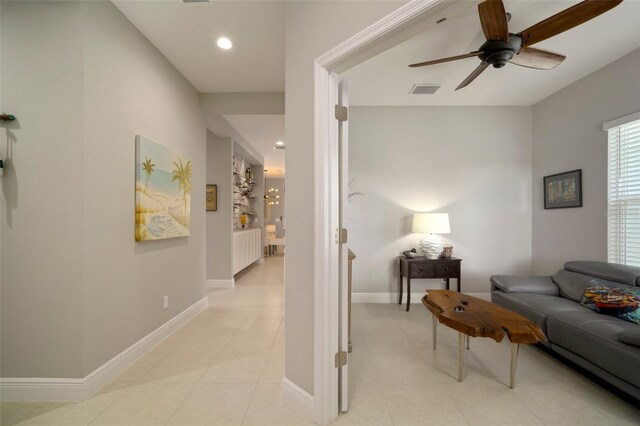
{"points": [[410, 19]]}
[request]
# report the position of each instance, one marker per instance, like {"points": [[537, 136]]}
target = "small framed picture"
{"points": [[212, 198], [563, 190]]}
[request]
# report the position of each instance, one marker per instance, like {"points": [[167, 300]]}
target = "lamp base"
{"points": [[431, 246]]}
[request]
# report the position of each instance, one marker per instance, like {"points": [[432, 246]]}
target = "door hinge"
{"points": [[341, 359], [342, 113], [341, 236]]}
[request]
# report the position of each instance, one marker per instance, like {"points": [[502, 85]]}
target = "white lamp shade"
{"points": [[431, 223]]}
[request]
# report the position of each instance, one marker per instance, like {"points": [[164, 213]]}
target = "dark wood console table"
{"points": [[420, 267]]}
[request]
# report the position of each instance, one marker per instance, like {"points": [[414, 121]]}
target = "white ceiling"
{"points": [[386, 79], [262, 132], [186, 34]]}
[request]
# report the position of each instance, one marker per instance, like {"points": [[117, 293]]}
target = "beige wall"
{"points": [[417, 159], [79, 289], [568, 135], [312, 28]]}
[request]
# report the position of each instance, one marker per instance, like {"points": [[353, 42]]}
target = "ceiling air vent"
{"points": [[425, 89]]}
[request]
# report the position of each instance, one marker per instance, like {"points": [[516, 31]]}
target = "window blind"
{"points": [[624, 190]]}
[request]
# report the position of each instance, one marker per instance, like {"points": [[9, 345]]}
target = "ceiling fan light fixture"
{"points": [[502, 46]]}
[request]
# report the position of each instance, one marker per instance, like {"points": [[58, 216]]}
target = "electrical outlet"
{"points": [[165, 302]]}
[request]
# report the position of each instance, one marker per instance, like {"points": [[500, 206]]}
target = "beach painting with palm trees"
{"points": [[163, 192]]}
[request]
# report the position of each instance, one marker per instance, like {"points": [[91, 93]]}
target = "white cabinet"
{"points": [[247, 248]]}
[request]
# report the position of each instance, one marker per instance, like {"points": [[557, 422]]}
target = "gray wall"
{"points": [[220, 223], [417, 159], [41, 276], [312, 28], [76, 288], [568, 135], [274, 214]]}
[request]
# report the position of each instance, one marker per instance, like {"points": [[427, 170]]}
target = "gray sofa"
{"points": [[605, 345]]}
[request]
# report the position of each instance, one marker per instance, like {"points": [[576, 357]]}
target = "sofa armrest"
{"points": [[516, 284]]}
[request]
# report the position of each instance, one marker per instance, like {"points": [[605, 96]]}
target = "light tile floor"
{"points": [[226, 366], [397, 378], [223, 367]]}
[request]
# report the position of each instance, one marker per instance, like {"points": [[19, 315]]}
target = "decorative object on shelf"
{"points": [[410, 254], [7, 117], [248, 174], [447, 251], [243, 193], [212, 198], [429, 224], [238, 164], [563, 190], [163, 192]]}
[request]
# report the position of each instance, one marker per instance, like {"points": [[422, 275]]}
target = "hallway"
{"points": [[223, 367]]}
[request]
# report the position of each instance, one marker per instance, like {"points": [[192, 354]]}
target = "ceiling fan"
{"points": [[502, 46]]}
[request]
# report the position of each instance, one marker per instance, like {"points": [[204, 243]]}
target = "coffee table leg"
{"points": [[434, 326], [514, 364], [460, 355]]}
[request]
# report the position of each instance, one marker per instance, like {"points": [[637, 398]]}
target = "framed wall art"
{"points": [[163, 192], [563, 190], [212, 198]]}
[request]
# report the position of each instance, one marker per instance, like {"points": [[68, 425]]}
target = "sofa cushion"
{"points": [[624, 274], [516, 284], [535, 307], [594, 337], [623, 303], [572, 285], [630, 336]]}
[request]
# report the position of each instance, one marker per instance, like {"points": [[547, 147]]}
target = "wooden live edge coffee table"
{"points": [[473, 317]]}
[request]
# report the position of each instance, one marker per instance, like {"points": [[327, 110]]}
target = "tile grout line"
{"points": [[173, 413]]}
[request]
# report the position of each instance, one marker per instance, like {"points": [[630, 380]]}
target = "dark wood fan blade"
{"points": [[494, 20], [565, 20], [483, 66], [539, 59], [449, 59]]}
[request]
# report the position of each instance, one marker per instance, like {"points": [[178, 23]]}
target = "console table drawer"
{"points": [[448, 269], [422, 270]]}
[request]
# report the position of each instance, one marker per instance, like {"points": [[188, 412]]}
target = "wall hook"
{"points": [[7, 117]]}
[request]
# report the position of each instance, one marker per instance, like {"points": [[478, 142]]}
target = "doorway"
{"points": [[329, 280]]}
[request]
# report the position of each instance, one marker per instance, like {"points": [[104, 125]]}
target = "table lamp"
{"points": [[430, 224]]}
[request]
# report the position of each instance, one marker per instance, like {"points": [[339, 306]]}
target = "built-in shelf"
{"points": [[243, 193]]}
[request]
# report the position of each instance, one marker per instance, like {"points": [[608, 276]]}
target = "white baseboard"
{"points": [[215, 284], [393, 297], [60, 389], [298, 398]]}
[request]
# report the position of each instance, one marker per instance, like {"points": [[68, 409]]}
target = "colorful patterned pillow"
{"points": [[622, 302]]}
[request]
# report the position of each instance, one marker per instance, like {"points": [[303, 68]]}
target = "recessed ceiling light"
{"points": [[224, 43]]}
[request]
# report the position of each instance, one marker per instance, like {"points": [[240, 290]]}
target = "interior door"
{"points": [[344, 291]]}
